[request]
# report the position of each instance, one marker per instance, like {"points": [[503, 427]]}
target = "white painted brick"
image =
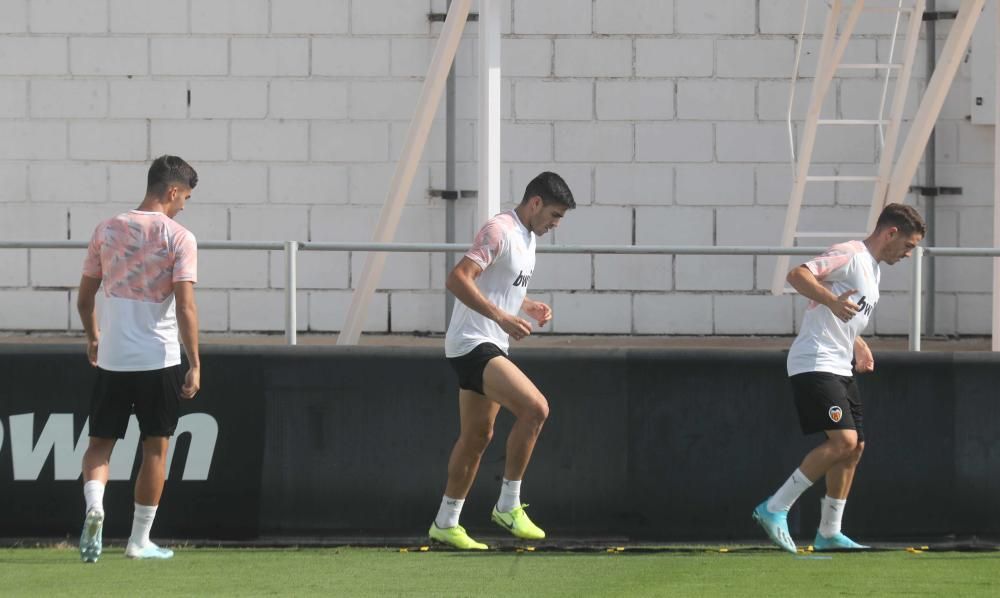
{"points": [[672, 314], [714, 273], [818, 218], [13, 268], [228, 99], [526, 143], [315, 270], [860, 98], [634, 184], [718, 16], [387, 17], [769, 58], [107, 140], [32, 56], [774, 185], [26, 222], [260, 223], [384, 100], [68, 183], [84, 218], [593, 57], [232, 269], [434, 151], [127, 182], [34, 310], [69, 98], [552, 17], [760, 314], [772, 101], [417, 312], [213, 310], [402, 271], [859, 51], [346, 224], [898, 277], [350, 57], [264, 311], [229, 16], [674, 226], [554, 100], [634, 16], [194, 140], [946, 142], [231, 183], [715, 100], [15, 182], [563, 272], [369, 184], [778, 16], [328, 311], [975, 314], [975, 144], [32, 140], [579, 178], [13, 98], [674, 142], [964, 274], [596, 225], [308, 184], [67, 16], [56, 267], [604, 313], [633, 272], [752, 142], [526, 57], [715, 184], [851, 193], [308, 99], [148, 16], [350, 142], [148, 99], [976, 182], [635, 100], [270, 57], [189, 56], [108, 56], [206, 222], [658, 57], [975, 228], [891, 316], [749, 226], [309, 16], [270, 141], [594, 142], [842, 144], [945, 315], [13, 17]]}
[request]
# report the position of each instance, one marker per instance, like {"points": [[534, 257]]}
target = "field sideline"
{"points": [[382, 572]]}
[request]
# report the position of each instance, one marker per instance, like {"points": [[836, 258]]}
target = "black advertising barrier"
{"points": [[213, 485]]}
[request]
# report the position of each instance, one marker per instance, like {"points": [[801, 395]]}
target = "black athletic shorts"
{"points": [[152, 395], [470, 366], [828, 402]]}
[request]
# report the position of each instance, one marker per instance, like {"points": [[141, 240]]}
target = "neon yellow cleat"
{"points": [[518, 523], [455, 537]]}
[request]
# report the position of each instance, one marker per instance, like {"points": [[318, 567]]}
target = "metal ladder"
{"points": [[830, 61]]}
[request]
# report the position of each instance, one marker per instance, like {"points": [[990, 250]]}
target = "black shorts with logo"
{"points": [[470, 366], [152, 395], [828, 402]]}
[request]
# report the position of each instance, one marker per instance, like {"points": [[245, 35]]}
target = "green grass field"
{"points": [[381, 572]]}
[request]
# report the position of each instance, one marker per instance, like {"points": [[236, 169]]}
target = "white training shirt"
{"points": [[825, 343], [505, 250], [138, 256]]}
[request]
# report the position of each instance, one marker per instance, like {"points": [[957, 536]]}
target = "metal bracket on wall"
{"points": [[439, 17], [452, 194], [935, 191], [941, 15]]}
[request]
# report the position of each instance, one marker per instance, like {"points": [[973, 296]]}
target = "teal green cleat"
{"points": [[91, 536], [775, 525], [837, 542]]}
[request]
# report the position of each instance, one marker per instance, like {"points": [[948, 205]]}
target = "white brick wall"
{"points": [[666, 117]]}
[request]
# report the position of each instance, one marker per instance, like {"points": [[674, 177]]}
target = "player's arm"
{"points": [[187, 323], [462, 283], [86, 306], [805, 282], [864, 361], [541, 312]]}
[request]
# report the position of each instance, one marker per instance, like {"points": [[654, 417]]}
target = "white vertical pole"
{"points": [[489, 110], [402, 178], [291, 288], [918, 286], [996, 190]]}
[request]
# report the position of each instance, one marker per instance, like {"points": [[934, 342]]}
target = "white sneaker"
{"points": [[149, 551]]}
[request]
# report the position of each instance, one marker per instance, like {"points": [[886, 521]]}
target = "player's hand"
{"points": [[539, 311], [516, 327], [92, 352], [843, 307], [192, 382], [864, 361]]}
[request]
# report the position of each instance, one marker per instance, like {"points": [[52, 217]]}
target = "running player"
{"points": [[491, 283], [147, 264], [842, 286]]}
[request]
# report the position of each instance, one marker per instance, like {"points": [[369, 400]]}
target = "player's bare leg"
{"points": [[148, 488], [96, 467], [477, 415]]}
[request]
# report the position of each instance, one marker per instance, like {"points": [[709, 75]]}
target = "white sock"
{"points": [[93, 493], [142, 522], [510, 496], [832, 510], [789, 492], [449, 511]]}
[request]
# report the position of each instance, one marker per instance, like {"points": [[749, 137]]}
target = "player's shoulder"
{"points": [[850, 248], [179, 231]]}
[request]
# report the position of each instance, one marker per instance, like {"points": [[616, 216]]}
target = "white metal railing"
{"points": [[291, 249]]}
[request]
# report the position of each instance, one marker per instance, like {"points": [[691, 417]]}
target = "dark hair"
{"points": [[167, 170], [903, 217], [551, 188]]}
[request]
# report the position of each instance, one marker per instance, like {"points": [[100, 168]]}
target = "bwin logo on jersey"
{"points": [[522, 279], [864, 306]]}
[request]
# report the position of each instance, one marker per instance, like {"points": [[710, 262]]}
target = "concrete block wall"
{"points": [[666, 117]]}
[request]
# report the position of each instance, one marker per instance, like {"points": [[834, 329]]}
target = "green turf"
{"points": [[372, 572]]}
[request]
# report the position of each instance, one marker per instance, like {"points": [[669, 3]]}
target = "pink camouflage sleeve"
{"points": [[92, 263], [832, 264], [185, 257], [487, 245]]}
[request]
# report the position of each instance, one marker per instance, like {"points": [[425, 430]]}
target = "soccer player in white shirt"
{"points": [[842, 286], [491, 284]]}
